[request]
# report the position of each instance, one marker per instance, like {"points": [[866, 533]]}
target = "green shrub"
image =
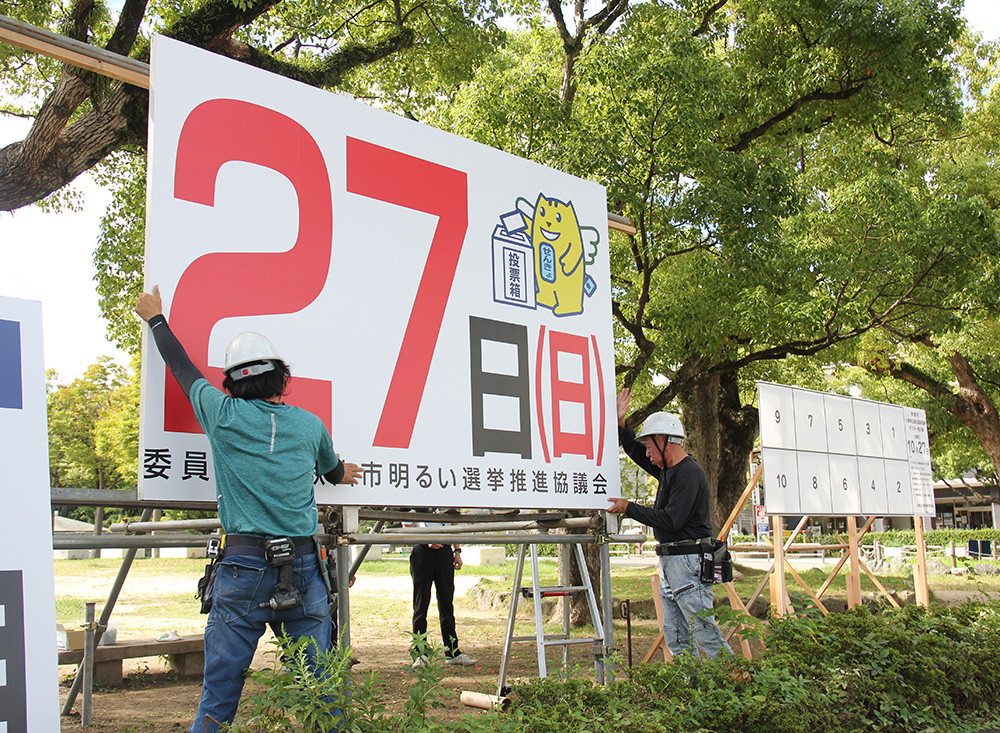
{"points": [[901, 670]]}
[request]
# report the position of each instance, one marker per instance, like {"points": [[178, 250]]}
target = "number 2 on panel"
{"points": [[224, 285]]}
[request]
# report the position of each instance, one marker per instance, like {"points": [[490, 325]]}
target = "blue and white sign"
{"points": [[29, 692]]}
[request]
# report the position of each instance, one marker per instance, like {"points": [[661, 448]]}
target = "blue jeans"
{"points": [[682, 595], [236, 623]]}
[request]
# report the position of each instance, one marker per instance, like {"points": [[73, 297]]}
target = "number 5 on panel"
{"points": [[224, 285]]}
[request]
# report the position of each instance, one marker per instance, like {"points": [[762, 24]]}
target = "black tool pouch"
{"points": [[205, 583], [285, 596], [716, 562]]}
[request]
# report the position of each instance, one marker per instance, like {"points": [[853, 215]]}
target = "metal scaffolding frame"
{"points": [[532, 528]]}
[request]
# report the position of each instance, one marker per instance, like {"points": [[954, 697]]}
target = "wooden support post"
{"points": [[736, 603], [660, 642], [779, 592], [920, 587], [806, 588], [854, 575]]}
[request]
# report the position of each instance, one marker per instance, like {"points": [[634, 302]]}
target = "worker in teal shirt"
{"points": [[265, 454]]}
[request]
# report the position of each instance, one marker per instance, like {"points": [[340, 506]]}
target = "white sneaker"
{"points": [[463, 659], [421, 662]]}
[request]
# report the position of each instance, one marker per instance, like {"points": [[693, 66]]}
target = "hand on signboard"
{"points": [[148, 305], [352, 472], [624, 399], [618, 506]]}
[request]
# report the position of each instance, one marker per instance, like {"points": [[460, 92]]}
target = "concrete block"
{"points": [[191, 664], [483, 555]]}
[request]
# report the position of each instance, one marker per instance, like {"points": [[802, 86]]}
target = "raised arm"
{"points": [[150, 309]]}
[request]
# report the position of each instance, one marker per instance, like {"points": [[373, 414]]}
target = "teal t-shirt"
{"points": [[265, 456]]}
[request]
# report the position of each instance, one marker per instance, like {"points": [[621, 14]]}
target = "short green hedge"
{"points": [[901, 537], [903, 670], [909, 670]]}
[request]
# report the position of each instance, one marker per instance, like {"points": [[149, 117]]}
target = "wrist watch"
{"points": [[458, 550]]}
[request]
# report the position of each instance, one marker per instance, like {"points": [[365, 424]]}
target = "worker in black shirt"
{"points": [[680, 518]]}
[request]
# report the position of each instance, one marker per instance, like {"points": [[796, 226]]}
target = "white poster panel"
{"points": [[777, 416], [29, 685], [815, 496], [897, 486], [893, 431], [872, 484], [919, 459], [781, 480], [810, 420], [840, 424], [444, 307], [844, 484], [868, 428]]}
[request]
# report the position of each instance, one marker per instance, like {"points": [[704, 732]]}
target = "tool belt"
{"points": [[716, 562], [241, 544], [684, 547], [279, 552]]}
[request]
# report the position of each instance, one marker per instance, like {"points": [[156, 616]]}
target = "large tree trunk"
{"points": [[973, 406], [720, 435]]}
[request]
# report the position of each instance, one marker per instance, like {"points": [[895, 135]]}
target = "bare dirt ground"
{"points": [[157, 701]]}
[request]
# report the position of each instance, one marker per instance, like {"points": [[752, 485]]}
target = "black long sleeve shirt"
{"points": [[681, 510]]}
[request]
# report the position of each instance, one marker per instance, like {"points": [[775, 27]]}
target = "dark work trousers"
{"points": [[435, 567]]}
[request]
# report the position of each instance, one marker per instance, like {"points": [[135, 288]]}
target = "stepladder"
{"points": [[536, 593]]}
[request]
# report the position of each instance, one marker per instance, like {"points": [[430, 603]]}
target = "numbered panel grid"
{"points": [[847, 456]]}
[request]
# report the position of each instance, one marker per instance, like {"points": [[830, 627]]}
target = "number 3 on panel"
{"points": [[224, 285]]}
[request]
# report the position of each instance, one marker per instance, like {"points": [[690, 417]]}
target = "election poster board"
{"points": [[832, 455], [445, 308], [29, 682]]}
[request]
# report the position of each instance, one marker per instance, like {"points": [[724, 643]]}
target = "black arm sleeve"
{"points": [[173, 354], [335, 476]]}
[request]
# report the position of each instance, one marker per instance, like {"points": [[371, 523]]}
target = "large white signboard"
{"points": [[828, 455], [29, 691], [444, 307]]}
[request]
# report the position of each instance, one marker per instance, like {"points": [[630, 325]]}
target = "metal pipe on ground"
{"points": [[484, 701]]}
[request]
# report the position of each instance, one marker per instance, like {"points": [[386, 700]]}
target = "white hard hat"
{"points": [[247, 348], [662, 423]]}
